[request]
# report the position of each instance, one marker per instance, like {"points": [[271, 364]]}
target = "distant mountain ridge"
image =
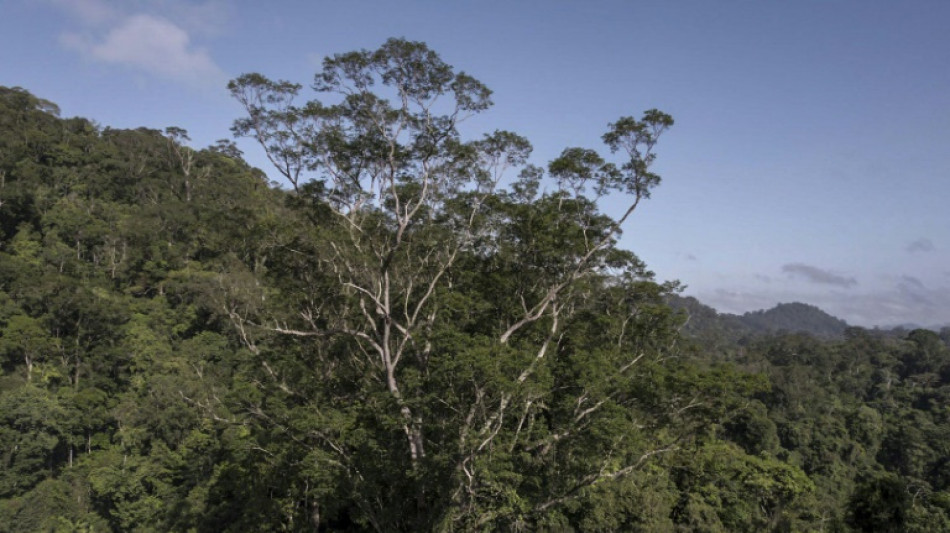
{"points": [[794, 317]]}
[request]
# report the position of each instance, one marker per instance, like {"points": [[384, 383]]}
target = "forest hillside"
{"points": [[412, 336]]}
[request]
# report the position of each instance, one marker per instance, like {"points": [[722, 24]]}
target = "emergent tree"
{"points": [[498, 330]]}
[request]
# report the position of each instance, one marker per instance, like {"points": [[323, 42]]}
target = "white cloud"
{"points": [[152, 36], [153, 44], [210, 17]]}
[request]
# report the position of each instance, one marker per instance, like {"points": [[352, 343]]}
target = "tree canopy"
{"points": [[412, 230], [421, 331]]}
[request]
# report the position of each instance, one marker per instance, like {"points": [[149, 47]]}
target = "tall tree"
{"points": [[510, 398]]}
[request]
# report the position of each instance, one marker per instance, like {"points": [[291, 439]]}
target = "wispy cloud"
{"points": [[154, 45], [814, 274], [152, 37], [199, 18], [913, 291], [909, 301], [89, 12], [920, 245]]}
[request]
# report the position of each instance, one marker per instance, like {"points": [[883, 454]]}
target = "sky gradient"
{"points": [[809, 161]]}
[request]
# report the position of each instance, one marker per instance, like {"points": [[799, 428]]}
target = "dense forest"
{"points": [[420, 331]]}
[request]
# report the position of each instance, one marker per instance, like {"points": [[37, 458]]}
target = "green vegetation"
{"points": [[703, 321], [425, 333]]}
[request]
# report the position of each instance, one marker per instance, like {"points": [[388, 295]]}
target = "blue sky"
{"points": [[809, 161]]}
